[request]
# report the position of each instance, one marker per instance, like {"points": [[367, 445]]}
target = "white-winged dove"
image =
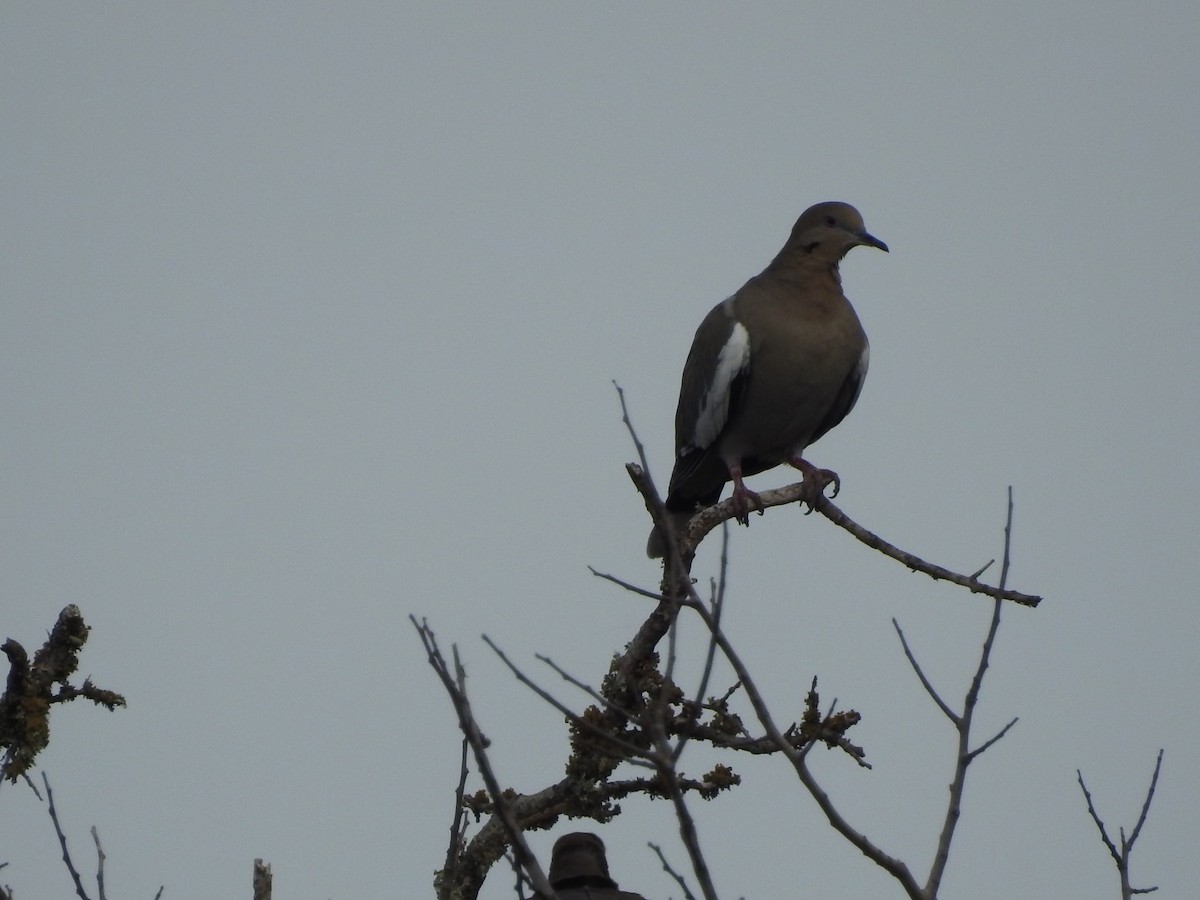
{"points": [[579, 870], [771, 369]]}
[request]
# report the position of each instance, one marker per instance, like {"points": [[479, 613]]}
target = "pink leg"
{"points": [[815, 481], [744, 499]]}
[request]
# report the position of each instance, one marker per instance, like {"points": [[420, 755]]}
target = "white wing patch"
{"points": [[714, 407]]}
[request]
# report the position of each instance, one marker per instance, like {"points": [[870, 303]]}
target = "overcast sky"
{"points": [[309, 316]]}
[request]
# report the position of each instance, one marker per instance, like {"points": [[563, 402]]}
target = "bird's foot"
{"points": [[814, 483], [744, 499]]}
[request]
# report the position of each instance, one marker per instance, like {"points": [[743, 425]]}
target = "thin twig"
{"points": [[632, 588], [1137, 829], [1122, 856], [455, 685], [565, 676], [987, 565], [637, 442], [895, 867], [458, 825], [925, 683], [982, 748], [717, 606], [669, 777], [519, 879], [1087, 796], [677, 564], [629, 749], [679, 879], [99, 864], [62, 841], [962, 723]]}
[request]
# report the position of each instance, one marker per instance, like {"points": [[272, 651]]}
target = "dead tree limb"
{"points": [[1121, 853]]}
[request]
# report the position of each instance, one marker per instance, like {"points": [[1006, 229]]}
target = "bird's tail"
{"points": [[656, 546]]}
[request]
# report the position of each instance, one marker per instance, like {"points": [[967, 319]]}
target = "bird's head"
{"points": [[828, 231]]}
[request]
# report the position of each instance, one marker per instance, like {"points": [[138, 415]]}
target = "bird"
{"points": [[771, 369], [579, 870]]}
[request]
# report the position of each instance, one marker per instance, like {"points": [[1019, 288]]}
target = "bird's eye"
{"points": [[830, 221]]}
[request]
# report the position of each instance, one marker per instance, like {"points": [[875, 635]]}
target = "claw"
{"points": [[743, 498], [815, 481]]}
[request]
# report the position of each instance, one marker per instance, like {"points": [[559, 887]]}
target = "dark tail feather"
{"points": [[656, 546]]}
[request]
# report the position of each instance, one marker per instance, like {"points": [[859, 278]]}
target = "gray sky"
{"points": [[310, 316]]}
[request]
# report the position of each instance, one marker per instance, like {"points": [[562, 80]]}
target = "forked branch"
{"points": [[1122, 851]]}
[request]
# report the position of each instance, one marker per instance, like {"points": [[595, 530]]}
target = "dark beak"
{"points": [[869, 240]]}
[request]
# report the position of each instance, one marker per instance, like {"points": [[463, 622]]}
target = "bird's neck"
{"points": [[805, 267]]}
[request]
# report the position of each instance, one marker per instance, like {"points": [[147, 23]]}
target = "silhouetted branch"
{"points": [[455, 685], [631, 750], [62, 841], [458, 825], [664, 760], [925, 683], [687, 894], [963, 721], [30, 691], [642, 717], [99, 864], [894, 866], [982, 748], [716, 606], [1121, 855], [709, 518], [261, 880]]}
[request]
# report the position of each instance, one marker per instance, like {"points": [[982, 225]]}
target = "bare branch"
{"points": [[707, 519], [717, 606], [687, 894], [455, 686], [1137, 829], [579, 721], [982, 748], [1087, 795], [99, 864], [261, 881], [62, 841], [458, 826], [665, 763], [637, 442], [895, 867], [963, 722], [32, 687], [929, 689], [640, 710], [987, 565], [1121, 856], [632, 588], [565, 676]]}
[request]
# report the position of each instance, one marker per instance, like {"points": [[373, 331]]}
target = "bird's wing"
{"points": [[713, 378], [847, 395], [714, 383]]}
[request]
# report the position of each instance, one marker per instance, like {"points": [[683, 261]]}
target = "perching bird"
{"points": [[771, 369], [579, 870]]}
